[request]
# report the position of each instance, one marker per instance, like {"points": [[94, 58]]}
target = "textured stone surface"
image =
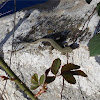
{"points": [[1, 1], [68, 14]]}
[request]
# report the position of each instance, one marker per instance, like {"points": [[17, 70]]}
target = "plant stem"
{"points": [[16, 79]]}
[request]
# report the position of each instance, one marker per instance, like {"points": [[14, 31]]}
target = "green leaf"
{"points": [[88, 1], [35, 77], [47, 71], [94, 45], [33, 87], [49, 79], [98, 8], [42, 78], [79, 72], [55, 66], [68, 67], [68, 77], [34, 82]]}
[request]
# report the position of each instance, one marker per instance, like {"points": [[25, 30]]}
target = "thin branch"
{"points": [[6, 12], [4, 4], [89, 17], [22, 86], [62, 89]]}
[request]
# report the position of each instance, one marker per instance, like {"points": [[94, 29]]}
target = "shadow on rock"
{"points": [[97, 58], [47, 6]]}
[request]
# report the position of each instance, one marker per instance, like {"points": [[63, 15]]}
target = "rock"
{"points": [[34, 23], [2, 1]]}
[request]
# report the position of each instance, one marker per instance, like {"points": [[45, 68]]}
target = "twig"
{"points": [[89, 17], [22, 86], [5, 12], [82, 31], [43, 90], [4, 4], [62, 88]]}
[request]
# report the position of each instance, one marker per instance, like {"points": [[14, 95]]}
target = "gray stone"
{"points": [[34, 23]]}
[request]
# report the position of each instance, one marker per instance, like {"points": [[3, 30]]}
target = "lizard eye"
{"points": [[66, 45]]}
